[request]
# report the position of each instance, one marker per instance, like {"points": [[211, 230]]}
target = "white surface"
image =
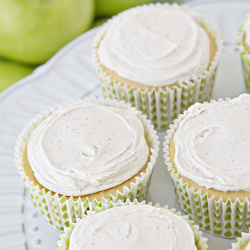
{"points": [[68, 75]]}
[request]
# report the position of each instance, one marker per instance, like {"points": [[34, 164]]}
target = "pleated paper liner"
{"points": [[225, 219], [161, 106], [64, 242], [241, 241], [58, 211], [245, 56]]}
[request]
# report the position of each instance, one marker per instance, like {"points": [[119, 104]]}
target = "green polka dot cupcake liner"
{"points": [[225, 219], [60, 211], [161, 106], [241, 241], [245, 57], [65, 238]]}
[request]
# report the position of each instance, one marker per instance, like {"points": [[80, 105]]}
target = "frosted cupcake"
{"points": [[161, 58], [207, 155], [84, 153], [244, 46], [133, 226]]}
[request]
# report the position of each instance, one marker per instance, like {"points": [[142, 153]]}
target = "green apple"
{"points": [[11, 73], [31, 31], [99, 22], [112, 7]]}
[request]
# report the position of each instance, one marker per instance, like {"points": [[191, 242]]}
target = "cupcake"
{"points": [[81, 154], [244, 47], [159, 57], [207, 154], [243, 242], [133, 226]]}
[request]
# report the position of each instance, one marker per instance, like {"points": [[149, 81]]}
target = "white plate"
{"points": [[68, 75]]}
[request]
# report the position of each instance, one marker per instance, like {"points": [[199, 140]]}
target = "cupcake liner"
{"points": [[161, 106], [59, 212], [245, 57], [245, 237], [64, 242], [225, 219]]}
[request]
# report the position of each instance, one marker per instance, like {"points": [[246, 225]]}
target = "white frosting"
{"points": [[83, 148], [212, 144], [156, 45], [247, 31], [133, 227]]}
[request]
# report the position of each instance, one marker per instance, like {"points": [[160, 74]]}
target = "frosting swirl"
{"points": [[133, 227], [83, 148], [212, 144], [156, 45]]}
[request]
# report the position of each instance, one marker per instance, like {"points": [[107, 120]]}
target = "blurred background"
{"points": [[31, 32]]}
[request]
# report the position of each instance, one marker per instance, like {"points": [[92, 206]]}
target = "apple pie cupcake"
{"points": [[81, 154], [133, 225], [207, 154], [159, 57], [244, 47]]}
